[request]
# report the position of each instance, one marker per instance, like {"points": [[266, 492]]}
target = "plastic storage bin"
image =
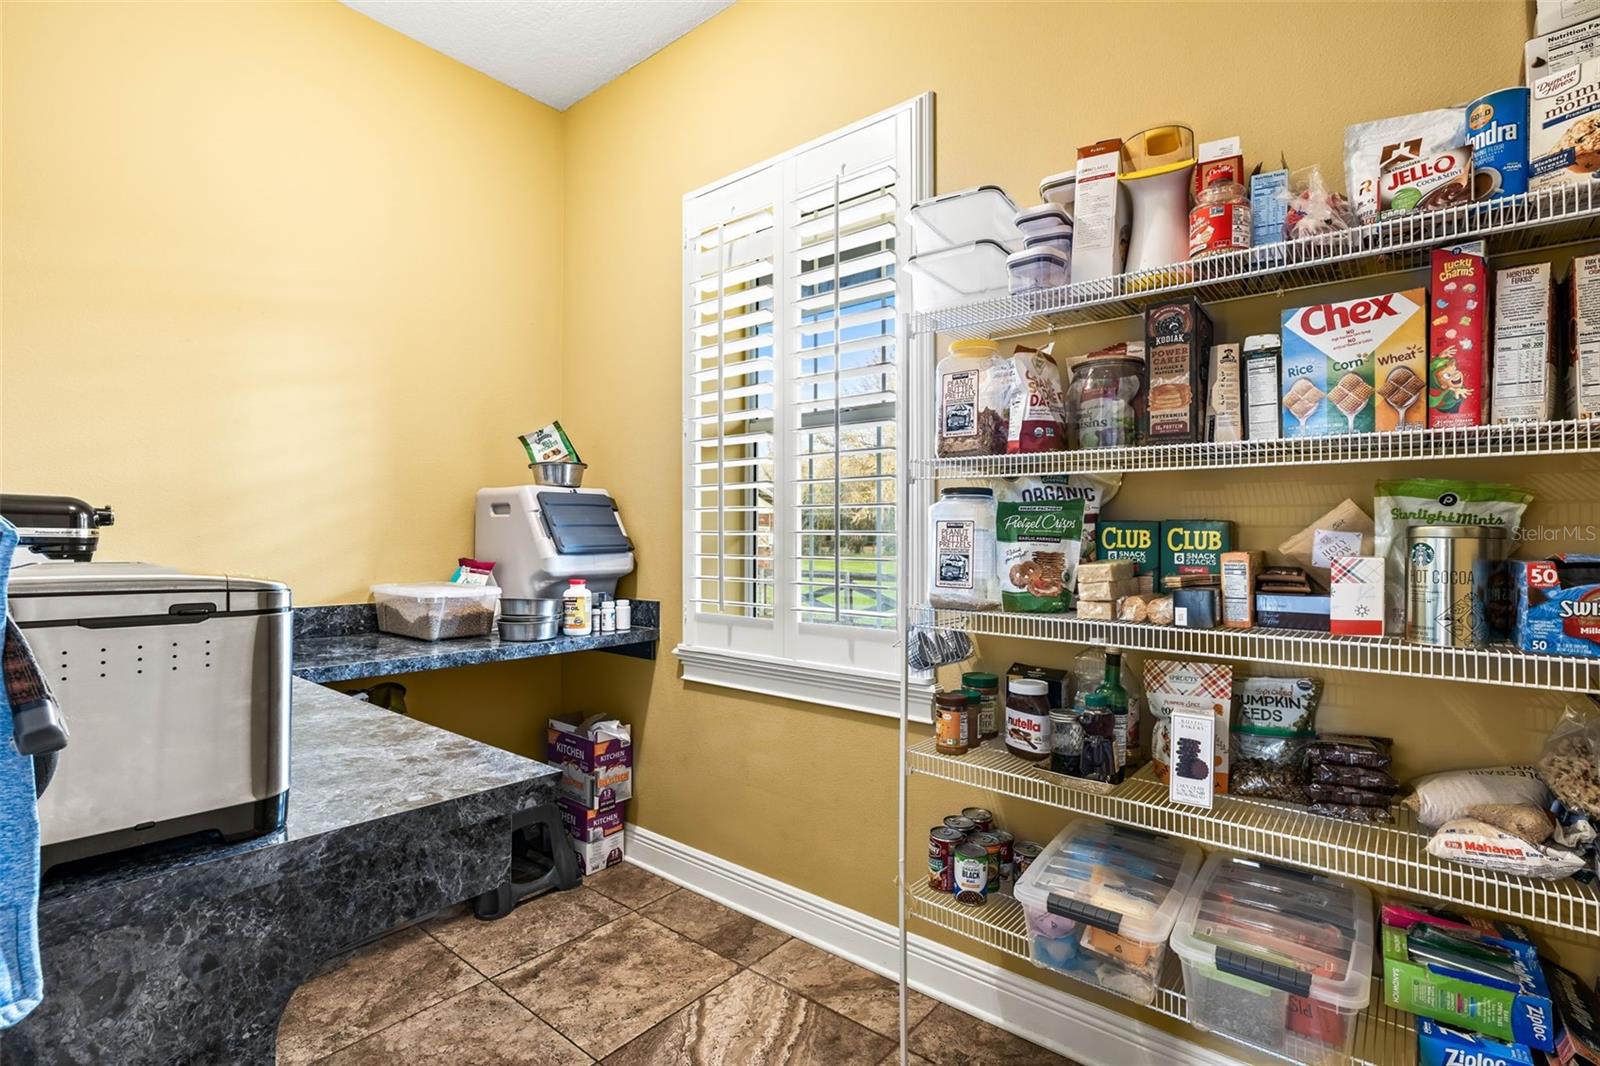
{"points": [[1101, 900], [1043, 218], [1276, 958], [1037, 268], [966, 272], [436, 610], [982, 213], [1059, 238]]}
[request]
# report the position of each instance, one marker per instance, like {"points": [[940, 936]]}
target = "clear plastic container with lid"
{"points": [[961, 550], [1101, 900], [436, 610], [1037, 268], [1277, 958]]}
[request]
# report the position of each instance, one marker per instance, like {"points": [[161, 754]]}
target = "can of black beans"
{"points": [[972, 873]]}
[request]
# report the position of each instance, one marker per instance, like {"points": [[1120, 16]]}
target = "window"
{"points": [[793, 415]]}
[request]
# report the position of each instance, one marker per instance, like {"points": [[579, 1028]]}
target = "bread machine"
{"points": [[176, 688], [539, 537]]}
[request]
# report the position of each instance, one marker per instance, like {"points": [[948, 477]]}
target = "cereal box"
{"points": [[1583, 337], [1177, 343], [1524, 345], [1563, 76], [1458, 340], [1355, 366]]}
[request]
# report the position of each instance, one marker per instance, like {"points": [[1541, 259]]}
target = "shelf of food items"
{"points": [[1275, 958], [1381, 1035], [1155, 215], [1516, 841]]}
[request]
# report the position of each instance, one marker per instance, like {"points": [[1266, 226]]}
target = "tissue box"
{"points": [[1439, 1045], [1517, 1016], [1355, 604], [595, 757]]}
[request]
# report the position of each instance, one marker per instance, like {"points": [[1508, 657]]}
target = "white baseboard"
{"points": [[1076, 1028]]}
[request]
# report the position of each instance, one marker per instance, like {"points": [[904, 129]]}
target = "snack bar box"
{"points": [[1275, 957], [1100, 901]]}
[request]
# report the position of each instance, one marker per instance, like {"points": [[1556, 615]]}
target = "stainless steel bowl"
{"points": [[529, 610], [517, 631], [559, 475]]}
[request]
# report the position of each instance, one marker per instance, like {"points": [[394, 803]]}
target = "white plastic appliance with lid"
{"points": [[1042, 218], [1101, 900], [1037, 268], [436, 610], [981, 213], [540, 537], [1277, 958]]}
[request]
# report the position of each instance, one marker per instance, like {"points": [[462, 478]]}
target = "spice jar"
{"points": [[1219, 221], [955, 719], [961, 526], [1105, 399], [974, 400], [987, 686], [1028, 719]]}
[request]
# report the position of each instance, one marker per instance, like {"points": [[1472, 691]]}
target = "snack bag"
{"points": [[1095, 490], [549, 444], [1037, 546], [1038, 417]]}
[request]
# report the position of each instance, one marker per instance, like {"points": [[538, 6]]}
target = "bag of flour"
{"points": [[1399, 505]]}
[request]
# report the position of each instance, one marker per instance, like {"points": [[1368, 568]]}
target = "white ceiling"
{"points": [[556, 51]]}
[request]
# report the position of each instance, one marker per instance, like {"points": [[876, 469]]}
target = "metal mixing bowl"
{"points": [[516, 631], [522, 610], [559, 475]]}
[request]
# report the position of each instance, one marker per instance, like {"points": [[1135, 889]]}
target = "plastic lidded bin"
{"points": [[1037, 268], [981, 213], [956, 275], [1042, 218], [1101, 900], [1059, 238], [436, 610], [1277, 958]]}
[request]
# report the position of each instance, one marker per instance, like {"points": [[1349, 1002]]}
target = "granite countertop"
{"points": [[350, 763], [342, 643]]}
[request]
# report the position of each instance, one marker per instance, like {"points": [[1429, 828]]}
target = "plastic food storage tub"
{"points": [[436, 610], [1276, 958], [1036, 268], [955, 218], [1101, 900], [1042, 218]]}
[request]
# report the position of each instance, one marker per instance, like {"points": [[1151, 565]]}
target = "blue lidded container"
{"points": [[1497, 127]]}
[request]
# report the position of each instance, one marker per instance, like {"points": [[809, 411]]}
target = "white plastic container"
{"points": [[1036, 268], [436, 610], [961, 550], [1060, 189], [1059, 238], [1276, 958], [1043, 218], [966, 272], [1101, 900], [977, 214], [577, 607]]}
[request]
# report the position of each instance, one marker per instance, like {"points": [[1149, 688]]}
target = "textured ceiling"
{"points": [[556, 51]]}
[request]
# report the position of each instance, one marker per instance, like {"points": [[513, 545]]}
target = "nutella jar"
{"points": [[955, 722], [1028, 719]]}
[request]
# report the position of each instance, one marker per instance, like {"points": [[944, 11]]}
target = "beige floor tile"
{"points": [[630, 885], [530, 930], [858, 994], [893, 1059], [751, 1021], [727, 932], [609, 986], [375, 987], [947, 1037], [479, 1027]]}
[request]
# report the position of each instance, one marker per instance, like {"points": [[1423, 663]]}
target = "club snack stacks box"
{"points": [[1583, 338], [1191, 546], [1563, 77], [1177, 349], [1355, 366], [1458, 339], [1524, 368], [1135, 541], [1558, 605]]}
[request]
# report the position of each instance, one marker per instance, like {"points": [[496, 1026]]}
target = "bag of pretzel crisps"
{"points": [[1037, 545]]}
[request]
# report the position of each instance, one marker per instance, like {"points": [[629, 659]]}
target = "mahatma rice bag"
{"points": [[1095, 490], [1399, 505]]}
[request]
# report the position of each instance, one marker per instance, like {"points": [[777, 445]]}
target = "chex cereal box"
{"points": [[1355, 366], [1558, 605]]}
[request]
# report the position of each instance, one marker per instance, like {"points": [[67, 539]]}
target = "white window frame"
{"points": [[846, 667]]}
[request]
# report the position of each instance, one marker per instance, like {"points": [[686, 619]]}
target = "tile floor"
{"points": [[628, 969]]}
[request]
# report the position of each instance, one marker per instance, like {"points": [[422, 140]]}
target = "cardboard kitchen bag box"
{"points": [[595, 757], [1355, 366]]}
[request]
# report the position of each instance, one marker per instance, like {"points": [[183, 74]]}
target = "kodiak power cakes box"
{"points": [[1194, 546], [1177, 344], [1356, 366]]}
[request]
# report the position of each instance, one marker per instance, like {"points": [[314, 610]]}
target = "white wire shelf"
{"points": [[1386, 856], [1496, 665], [1563, 215], [1384, 1036], [1471, 442]]}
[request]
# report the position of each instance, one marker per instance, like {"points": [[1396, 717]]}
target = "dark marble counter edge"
{"points": [[325, 659]]}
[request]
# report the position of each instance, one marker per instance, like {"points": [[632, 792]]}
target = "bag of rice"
{"points": [[1440, 798], [1477, 843], [1037, 548], [1399, 505], [1095, 490]]}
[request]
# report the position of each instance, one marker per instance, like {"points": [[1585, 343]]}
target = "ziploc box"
{"points": [[1439, 1045], [595, 757], [1558, 605], [1521, 1015], [1355, 366], [1139, 541]]}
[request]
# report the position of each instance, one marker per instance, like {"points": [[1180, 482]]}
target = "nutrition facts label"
{"points": [[1522, 353]]}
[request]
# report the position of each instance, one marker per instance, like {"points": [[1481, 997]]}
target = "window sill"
{"points": [[819, 683]]}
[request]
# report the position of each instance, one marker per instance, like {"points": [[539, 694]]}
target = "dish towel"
{"points": [[21, 981]]}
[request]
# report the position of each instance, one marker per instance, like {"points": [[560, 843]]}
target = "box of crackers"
{"points": [[1356, 366]]}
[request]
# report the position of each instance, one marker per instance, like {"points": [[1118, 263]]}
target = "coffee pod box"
{"points": [[1355, 366], [1583, 338], [1524, 363]]}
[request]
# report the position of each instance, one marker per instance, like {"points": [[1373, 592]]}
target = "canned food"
{"points": [[992, 846], [972, 873], [1008, 841], [1458, 588], [1023, 854], [981, 817], [942, 844], [961, 824]]}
